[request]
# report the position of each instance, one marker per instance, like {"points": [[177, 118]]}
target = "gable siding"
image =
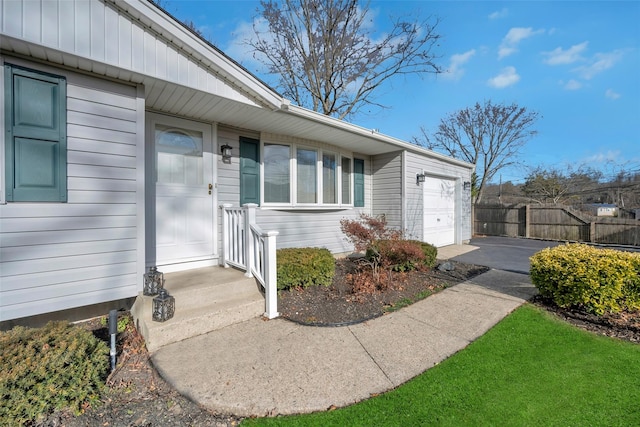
{"points": [[414, 196], [102, 32], [387, 188], [56, 256]]}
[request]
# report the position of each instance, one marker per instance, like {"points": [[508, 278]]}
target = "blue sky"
{"points": [[577, 63]]}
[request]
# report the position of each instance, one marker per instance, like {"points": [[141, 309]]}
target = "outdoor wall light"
{"points": [[164, 306], [153, 281], [466, 186], [226, 152], [420, 178]]}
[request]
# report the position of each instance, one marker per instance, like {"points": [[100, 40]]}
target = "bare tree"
{"points": [[327, 58], [490, 136], [547, 186]]}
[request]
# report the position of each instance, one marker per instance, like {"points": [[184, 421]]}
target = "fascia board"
{"points": [[210, 57], [373, 135]]}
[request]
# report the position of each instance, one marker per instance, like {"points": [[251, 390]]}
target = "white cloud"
{"points": [[507, 77], [503, 13], [609, 156], [559, 56], [236, 47], [611, 94], [515, 35], [572, 85], [599, 63], [455, 70]]}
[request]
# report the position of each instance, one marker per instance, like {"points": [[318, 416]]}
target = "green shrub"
{"points": [[55, 367], [430, 253], [597, 280], [396, 255], [402, 255], [304, 267]]}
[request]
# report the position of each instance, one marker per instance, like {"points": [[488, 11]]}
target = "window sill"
{"points": [[306, 208]]}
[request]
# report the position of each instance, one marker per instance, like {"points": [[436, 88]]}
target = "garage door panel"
{"points": [[439, 211]]}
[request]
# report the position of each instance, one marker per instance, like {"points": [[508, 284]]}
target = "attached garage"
{"points": [[439, 211]]}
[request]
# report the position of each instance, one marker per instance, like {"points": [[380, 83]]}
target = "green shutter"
{"points": [[249, 171], [358, 183], [36, 130]]}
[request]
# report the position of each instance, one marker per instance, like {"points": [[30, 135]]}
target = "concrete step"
{"points": [[206, 299]]}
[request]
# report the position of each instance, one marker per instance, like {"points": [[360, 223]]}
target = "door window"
{"points": [[179, 156]]}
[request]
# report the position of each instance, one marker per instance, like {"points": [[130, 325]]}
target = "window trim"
{"points": [[351, 177], [293, 178]]}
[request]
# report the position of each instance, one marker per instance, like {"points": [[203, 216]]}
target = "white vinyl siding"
{"points": [[414, 194], [387, 188], [107, 34], [60, 256], [320, 229]]}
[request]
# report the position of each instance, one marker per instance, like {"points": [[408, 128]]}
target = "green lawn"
{"points": [[529, 370]]}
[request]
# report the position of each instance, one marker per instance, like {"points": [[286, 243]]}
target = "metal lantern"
{"points": [[153, 281], [164, 306], [226, 152]]}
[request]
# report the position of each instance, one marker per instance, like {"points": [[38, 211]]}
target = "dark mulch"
{"points": [[624, 325], [137, 396], [337, 304]]}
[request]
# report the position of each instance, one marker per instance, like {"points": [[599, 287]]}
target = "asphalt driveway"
{"points": [[504, 253]]}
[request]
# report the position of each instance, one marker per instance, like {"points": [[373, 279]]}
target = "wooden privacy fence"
{"points": [[553, 223]]}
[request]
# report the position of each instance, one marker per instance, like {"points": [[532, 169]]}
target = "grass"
{"points": [[530, 369]]}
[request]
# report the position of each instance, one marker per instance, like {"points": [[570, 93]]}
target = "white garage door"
{"points": [[439, 211]]}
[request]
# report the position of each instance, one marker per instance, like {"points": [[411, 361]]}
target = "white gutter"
{"points": [[226, 68], [372, 134]]}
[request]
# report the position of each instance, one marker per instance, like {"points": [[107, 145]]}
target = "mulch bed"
{"points": [[623, 325], [137, 396], [338, 305]]}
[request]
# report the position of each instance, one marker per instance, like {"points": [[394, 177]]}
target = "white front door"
{"points": [[439, 211], [184, 205]]}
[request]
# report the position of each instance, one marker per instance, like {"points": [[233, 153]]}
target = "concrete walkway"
{"points": [[278, 367]]}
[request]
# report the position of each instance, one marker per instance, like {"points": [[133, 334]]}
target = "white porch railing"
{"points": [[246, 246]]}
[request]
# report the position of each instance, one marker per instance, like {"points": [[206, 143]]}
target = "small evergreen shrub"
{"points": [[403, 255], [58, 366], [304, 267], [397, 255], [597, 280], [430, 253]]}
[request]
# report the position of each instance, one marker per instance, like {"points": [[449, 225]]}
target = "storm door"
{"points": [[184, 205]]}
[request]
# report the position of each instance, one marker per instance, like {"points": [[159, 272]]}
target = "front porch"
{"points": [[206, 299]]}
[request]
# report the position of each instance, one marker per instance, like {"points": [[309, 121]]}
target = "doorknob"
{"points": [[210, 188]]}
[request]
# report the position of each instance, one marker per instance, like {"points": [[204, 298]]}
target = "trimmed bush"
{"points": [[396, 255], [596, 280], [402, 255], [304, 267], [430, 253], [56, 367]]}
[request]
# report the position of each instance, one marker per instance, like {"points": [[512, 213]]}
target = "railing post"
{"points": [[249, 218], [270, 276], [225, 234]]}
